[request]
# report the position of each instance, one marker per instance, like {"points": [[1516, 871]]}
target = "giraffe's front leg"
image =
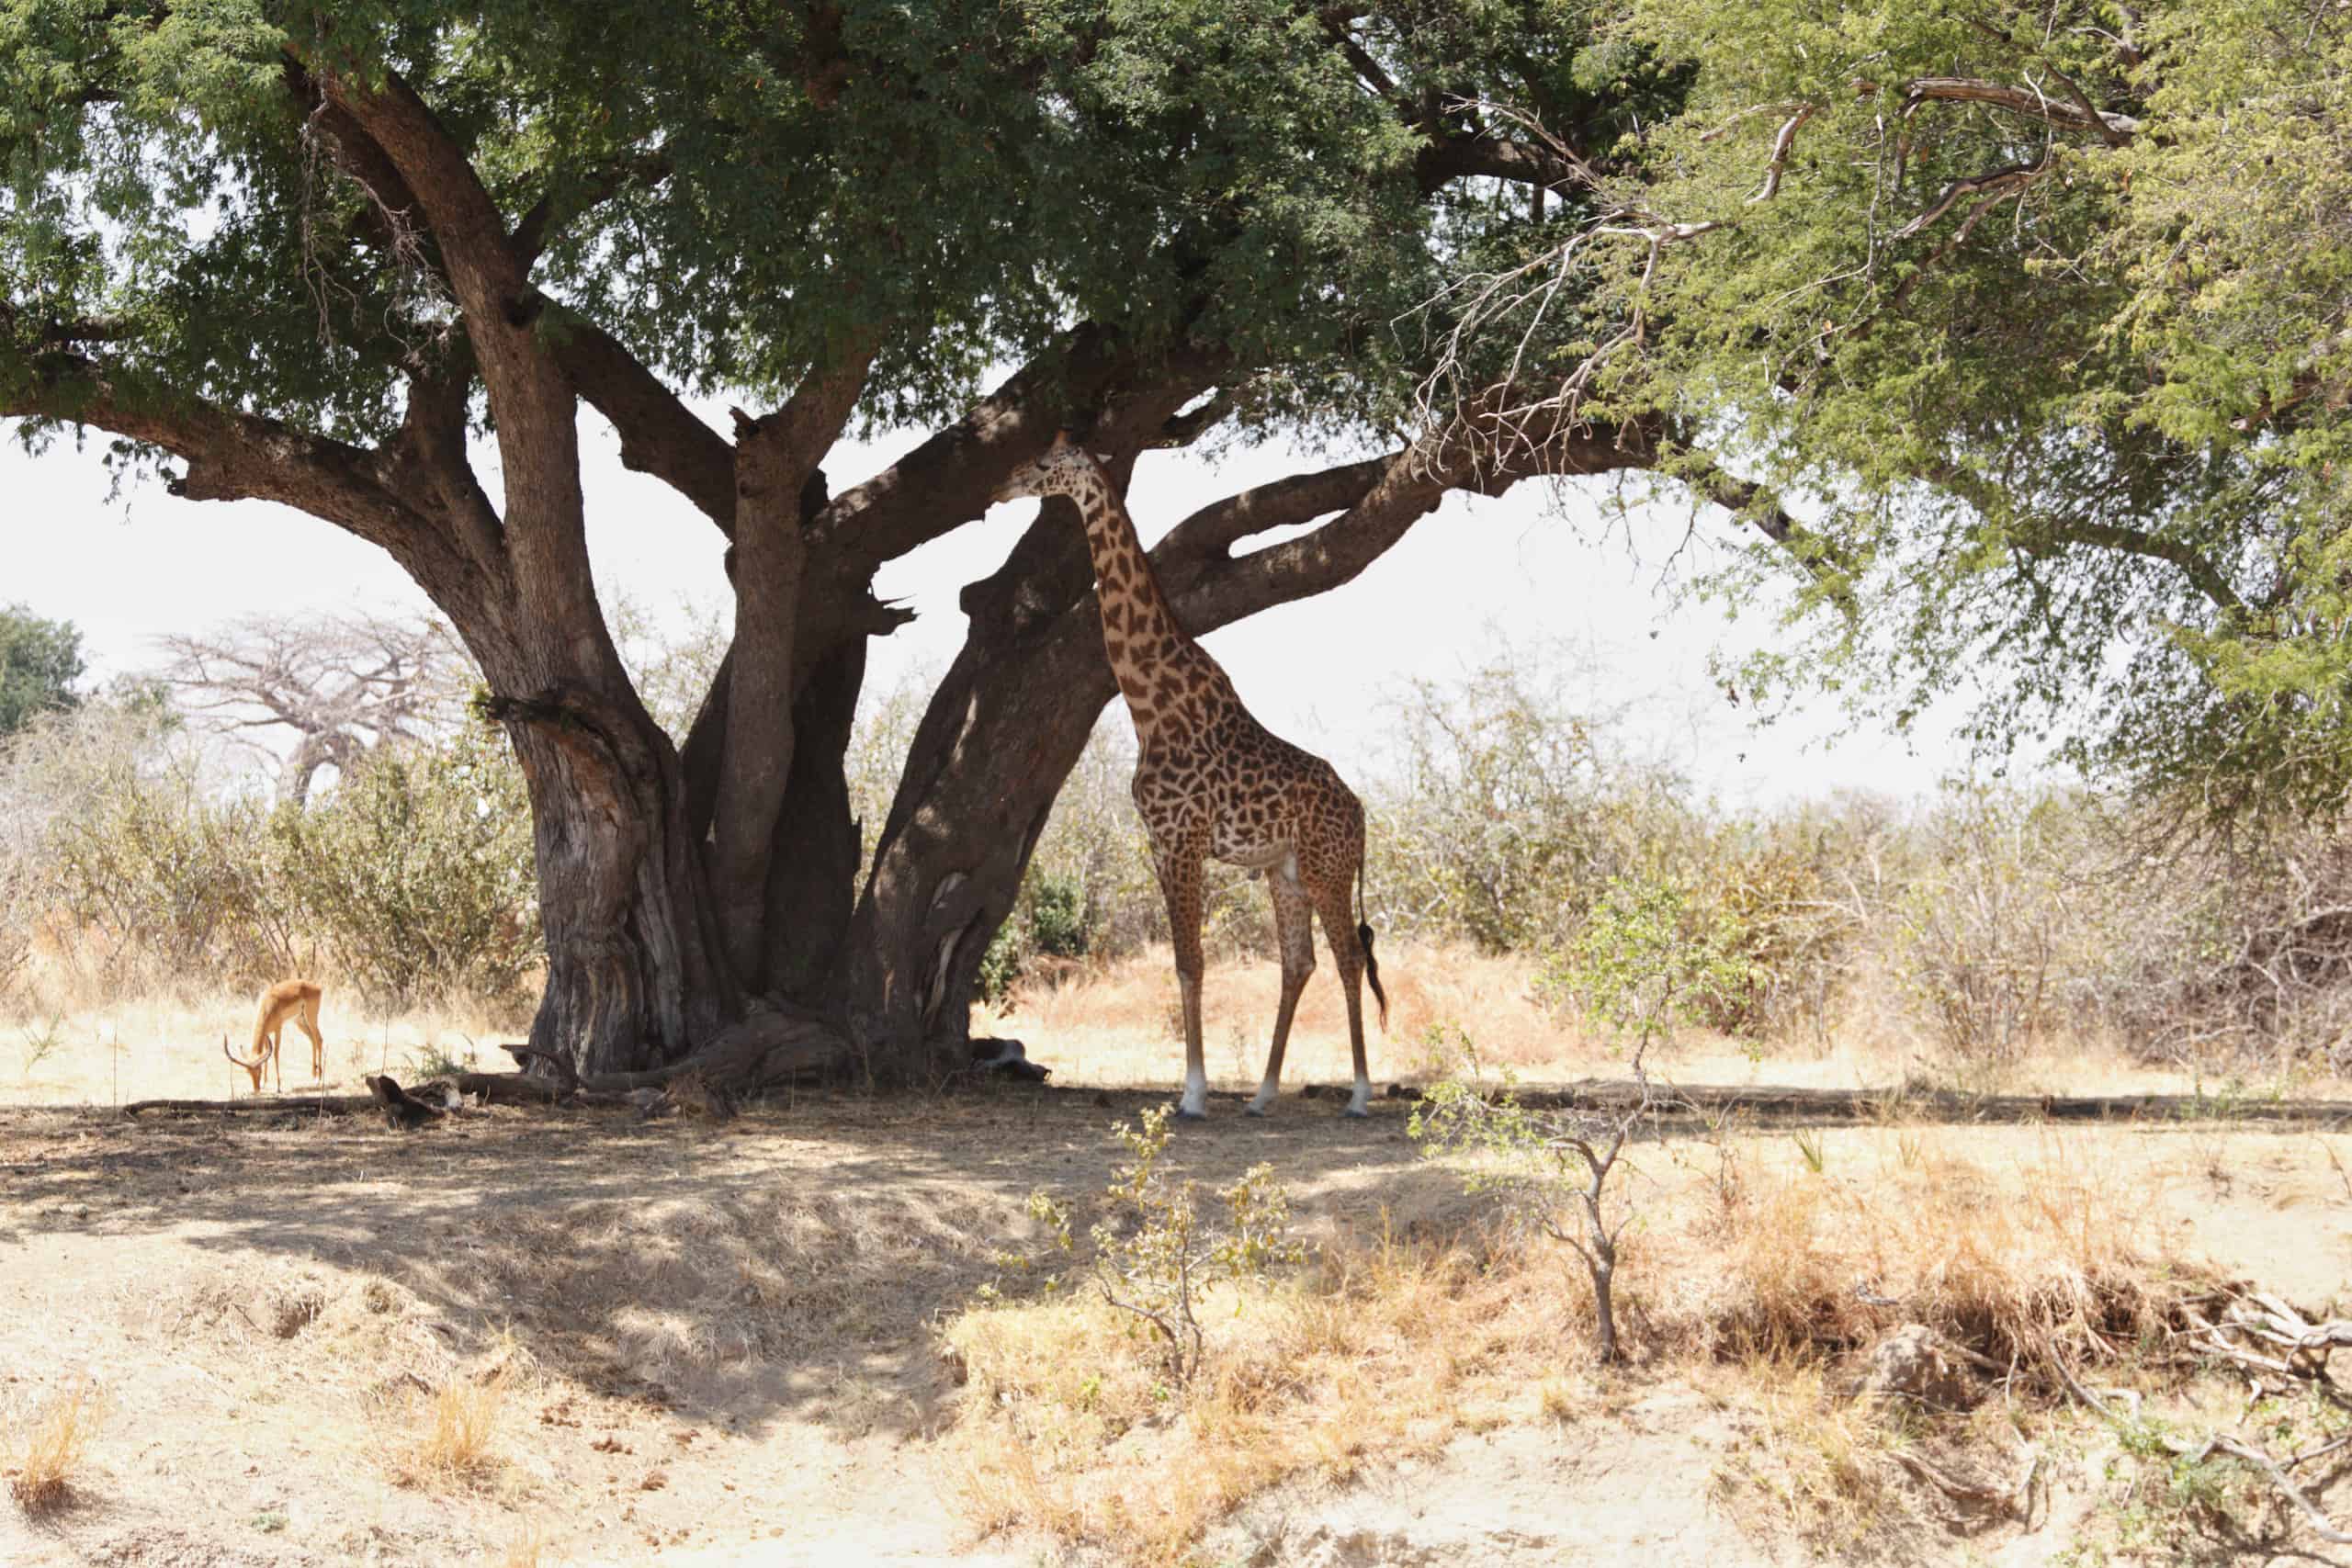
{"points": [[1295, 930], [1178, 864]]}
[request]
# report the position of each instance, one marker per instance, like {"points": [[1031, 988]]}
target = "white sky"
{"points": [[1468, 581]]}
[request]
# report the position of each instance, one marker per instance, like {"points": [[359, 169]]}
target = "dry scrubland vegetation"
{"points": [[1974, 936], [964, 1324]]}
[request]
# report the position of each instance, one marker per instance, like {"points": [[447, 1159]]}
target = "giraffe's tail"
{"points": [[1363, 937]]}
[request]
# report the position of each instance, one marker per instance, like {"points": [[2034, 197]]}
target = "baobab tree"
{"points": [[339, 685], [316, 254]]}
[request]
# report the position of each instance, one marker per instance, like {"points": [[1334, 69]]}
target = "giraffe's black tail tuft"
{"points": [[1363, 937]]}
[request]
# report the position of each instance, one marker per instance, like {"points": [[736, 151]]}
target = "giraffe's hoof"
{"points": [[1184, 1115], [1253, 1109], [1358, 1113]]}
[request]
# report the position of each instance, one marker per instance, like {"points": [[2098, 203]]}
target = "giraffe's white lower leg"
{"points": [[1194, 1104], [1360, 1102], [1264, 1097]]}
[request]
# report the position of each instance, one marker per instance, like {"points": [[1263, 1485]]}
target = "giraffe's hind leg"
{"points": [[1295, 929], [1335, 908]]}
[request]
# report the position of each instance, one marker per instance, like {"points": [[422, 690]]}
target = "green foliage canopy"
{"points": [[727, 190], [2039, 313]]}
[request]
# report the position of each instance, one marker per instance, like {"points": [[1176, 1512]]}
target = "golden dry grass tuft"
{"points": [[1784, 1259], [459, 1443], [46, 1447], [1822, 1464], [527, 1548]]}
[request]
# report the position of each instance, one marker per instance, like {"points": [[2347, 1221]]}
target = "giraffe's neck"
{"points": [[1162, 673]]}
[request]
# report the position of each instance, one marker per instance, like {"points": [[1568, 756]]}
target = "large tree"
{"points": [[313, 254], [2048, 310]]}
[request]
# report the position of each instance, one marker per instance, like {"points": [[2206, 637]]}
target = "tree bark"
{"points": [[636, 976], [1003, 730], [813, 875]]}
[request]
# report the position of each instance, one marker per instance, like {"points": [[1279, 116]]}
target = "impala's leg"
{"points": [[308, 1018], [1335, 908], [1295, 929], [1178, 865], [276, 1053]]}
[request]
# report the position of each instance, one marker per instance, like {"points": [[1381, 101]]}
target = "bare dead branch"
{"points": [[1996, 183], [2081, 115], [1780, 145]]}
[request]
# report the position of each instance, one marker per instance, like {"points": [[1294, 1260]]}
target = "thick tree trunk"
{"points": [[635, 976], [1001, 733]]}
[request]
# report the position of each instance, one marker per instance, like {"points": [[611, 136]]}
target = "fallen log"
{"points": [[1919, 1102], [488, 1088]]}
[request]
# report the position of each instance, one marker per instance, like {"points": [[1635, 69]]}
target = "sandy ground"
{"points": [[716, 1344]]}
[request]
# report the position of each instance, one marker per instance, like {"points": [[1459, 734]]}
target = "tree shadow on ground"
{"points": [[789, 1264]]}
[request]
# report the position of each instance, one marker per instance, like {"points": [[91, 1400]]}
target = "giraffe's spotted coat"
{"points": [[1211, 780]]}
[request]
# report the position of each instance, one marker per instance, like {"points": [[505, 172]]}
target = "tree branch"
{"points": [[548, 215], [1284, 504], [1997, 183], [232, 456], [659, 434], [1763, 511], [1411, 483], [947, 480], [2079, 115], [1519, 163], [2202, 573]]}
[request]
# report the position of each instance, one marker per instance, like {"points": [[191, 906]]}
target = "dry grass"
{"points": [[2057, 1249], [159, 1047], [527, 1549], [1383, 1348], [1390, 1345], [459, 1444], [1117, 1025], [1821, 1463], [42, 1452]]}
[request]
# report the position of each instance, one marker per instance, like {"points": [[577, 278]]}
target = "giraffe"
{"points": [[1211, 780]]}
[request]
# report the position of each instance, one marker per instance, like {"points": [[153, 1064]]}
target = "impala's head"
{"points": [[261, 1060], [1065, 469]]}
